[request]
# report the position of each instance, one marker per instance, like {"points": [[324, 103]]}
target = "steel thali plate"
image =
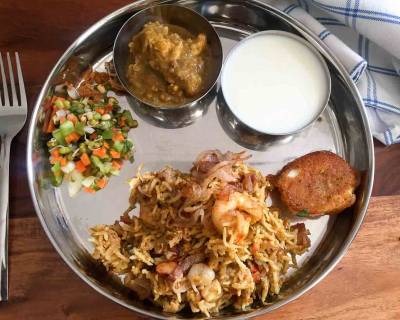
{"points": [[342, 128]]}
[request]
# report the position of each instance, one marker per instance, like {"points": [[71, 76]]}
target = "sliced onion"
{"points": [[73, 188], [72, 92], [59, 88], [87, 182], [75, 183], [203, 156], [69, 167], [76, 176], [89, 130], [61, 113]]}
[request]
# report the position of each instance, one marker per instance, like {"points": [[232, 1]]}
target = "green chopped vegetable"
{"points": [[66, 104], [107, 134], [129, 120], [67, 127], [65, 150], [59, 136], [303, 213], [56, 167], [96, 116], [59, 104], [97, 162], [118, 146], [80, 128], [105, 125]]}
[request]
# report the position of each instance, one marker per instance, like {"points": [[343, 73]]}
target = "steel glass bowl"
{"points": [[243, 133], [343, 128], [167, 116]]}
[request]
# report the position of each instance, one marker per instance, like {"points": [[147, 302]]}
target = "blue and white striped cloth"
{"points": [[365, 36]]}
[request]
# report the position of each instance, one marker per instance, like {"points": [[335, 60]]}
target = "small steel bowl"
{"points": [[167, 116], [244, 134]]}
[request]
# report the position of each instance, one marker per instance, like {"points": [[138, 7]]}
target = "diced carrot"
{"points": [[106, 145], [51, 127], [80, 166], [48, 124], [122, 122], [72, 137], [115, 154], [72, 117], [85, 159], [62, 120], [54, 99], [89, 190], [100, 152], [108, 108], [117, 136], [54, 160], [63, 161], [116, 165], [55, 152], [100, 110], [101, 183], [47, 104]]}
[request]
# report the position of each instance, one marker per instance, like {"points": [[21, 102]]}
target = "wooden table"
{"points": [[365, 284]]}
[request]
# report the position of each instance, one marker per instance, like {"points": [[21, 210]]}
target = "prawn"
{"points": [[238, 212]]}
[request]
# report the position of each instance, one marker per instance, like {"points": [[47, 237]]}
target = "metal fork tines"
{"points": [[13, 111]]}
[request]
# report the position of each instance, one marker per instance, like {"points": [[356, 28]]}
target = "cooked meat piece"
{"points": [[317, 183]]}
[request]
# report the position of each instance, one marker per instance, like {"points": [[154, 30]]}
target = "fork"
{"points": [[12, 119]]}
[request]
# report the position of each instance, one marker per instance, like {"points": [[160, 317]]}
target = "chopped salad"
{"points": [[89, 138]]}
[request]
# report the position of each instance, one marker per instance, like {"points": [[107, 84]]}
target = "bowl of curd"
{"points": [[273, 83]]}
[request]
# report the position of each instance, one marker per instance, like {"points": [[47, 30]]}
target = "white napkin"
{"points": [[361, 32]]}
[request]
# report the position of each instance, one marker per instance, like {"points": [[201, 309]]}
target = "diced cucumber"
{"points": [[118, 146], [58, 135], [107, 134], [115, 172], [80, 128], [67, 127], [66, 104], [56, 168], [65, 150], [97, 162], [127, 146], [107, 167], [59, 104], [105, 125], [129, 120], [56, 180]]}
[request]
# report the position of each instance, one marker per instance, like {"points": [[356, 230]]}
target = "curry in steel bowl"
{"points": [[168, 64]]}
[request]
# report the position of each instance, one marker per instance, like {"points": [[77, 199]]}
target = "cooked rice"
{"points": [[175, 231]]}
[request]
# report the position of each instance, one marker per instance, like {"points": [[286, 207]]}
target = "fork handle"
{"points": [[4, 186]]}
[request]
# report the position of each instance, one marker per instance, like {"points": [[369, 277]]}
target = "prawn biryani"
{"points": [[203, 240]]}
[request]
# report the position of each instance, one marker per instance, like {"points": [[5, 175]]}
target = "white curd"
{"points": [[275, 83]]}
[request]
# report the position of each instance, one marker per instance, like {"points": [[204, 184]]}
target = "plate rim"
{"points": [[309, 35]]}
